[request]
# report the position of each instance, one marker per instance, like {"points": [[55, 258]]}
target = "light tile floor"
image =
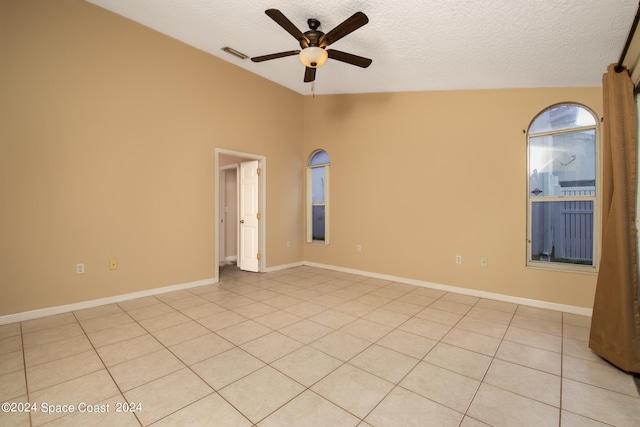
{"points": [[310, 347]]}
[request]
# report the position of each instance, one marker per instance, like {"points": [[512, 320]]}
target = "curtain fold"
{"points": [[615, 324]]}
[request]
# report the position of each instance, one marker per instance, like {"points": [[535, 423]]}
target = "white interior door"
{"points": [[249, 216]]}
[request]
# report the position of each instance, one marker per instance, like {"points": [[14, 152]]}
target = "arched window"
{"points": [[562, 216], [318, 197]]}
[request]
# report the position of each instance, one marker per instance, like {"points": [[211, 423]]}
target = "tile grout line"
{"points": [[493, 358], [305, 388], [397, 384], [309, 388], [24, 366], [178, 358], [343, 363], [102, 360], [214, 392], [481, 381], [266, 364]]}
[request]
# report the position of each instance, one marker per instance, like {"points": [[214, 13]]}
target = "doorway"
{"points": [[240, 191]]}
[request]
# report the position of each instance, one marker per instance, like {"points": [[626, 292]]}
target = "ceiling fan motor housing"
{"points": [[313, 36], [314, 42]]}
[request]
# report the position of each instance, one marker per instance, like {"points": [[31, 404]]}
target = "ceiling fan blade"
{"points": [[349, 58], [349, 25], [274, 56], [282, 20], [309, 74]]}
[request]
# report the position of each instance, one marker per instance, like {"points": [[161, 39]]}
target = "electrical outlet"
{"points": [[113, 264], [484, 262], [288, 244], [358, 248], [458, 259], [79, 268]]}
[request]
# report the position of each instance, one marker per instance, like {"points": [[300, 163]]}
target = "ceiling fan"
{"points": [[314, 42]]}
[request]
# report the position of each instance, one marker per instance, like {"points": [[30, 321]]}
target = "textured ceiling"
{"points": [[416, 45]]}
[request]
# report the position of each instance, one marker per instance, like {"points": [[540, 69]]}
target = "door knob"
{"points": [[242, 221]]}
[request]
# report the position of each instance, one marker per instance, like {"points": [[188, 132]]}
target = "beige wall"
{"points": [[108, 133], [418, 178]]}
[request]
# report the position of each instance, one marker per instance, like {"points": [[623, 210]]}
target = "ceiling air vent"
{"points": [[235, 52]]}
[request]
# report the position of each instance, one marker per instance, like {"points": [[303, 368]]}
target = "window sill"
{"points": [[563, 268]]}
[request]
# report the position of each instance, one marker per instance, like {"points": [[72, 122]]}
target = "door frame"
{"points": [[262, 188]]}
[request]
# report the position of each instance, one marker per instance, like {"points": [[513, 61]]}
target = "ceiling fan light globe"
{"points": [[313, 57]]}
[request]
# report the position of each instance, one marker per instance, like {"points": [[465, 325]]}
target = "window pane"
{"points": [[562, 117], [563, 164], [562, 232], [317, 185], [319, 158], [318, 222]]}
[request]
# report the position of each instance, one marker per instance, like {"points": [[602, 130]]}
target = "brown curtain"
{"points": [[615, 325]]}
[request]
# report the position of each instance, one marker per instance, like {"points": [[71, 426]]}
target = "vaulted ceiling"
{"points": [[415, 45]]}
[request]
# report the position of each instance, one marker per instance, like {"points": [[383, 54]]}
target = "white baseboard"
{"points": [[465, 291], [284, 267], [50, 311], [34, 314]]}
